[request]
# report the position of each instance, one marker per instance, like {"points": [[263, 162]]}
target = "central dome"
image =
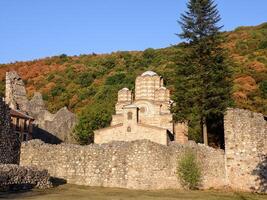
{"points": [[149, 73]]}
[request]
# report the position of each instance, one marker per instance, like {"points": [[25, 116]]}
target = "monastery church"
{"points": [[146, 115]]}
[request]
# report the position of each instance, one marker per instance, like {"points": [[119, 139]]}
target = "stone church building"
{"points": [[144, 115]]}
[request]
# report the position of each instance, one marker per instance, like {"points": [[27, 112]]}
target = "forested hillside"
{"points": [[88, 84]]}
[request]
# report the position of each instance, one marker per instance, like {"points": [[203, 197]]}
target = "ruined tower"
{"points": [[15, 96], [9, 140]]}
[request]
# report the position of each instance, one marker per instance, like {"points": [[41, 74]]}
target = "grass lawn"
{"points": [[73, 192]]}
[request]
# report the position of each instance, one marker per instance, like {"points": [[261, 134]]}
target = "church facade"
{"points": [[146, 115]]}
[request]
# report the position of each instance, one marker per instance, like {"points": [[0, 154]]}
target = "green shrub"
{"points": [[58, 90], [92, 118], [2, 89], [263, 26], [62, 56], [85, 79], [108, 63], [242, 47], [116, 79], [263, 45], [262, 59], [149, 53], [263, 88], [45, 97], [70, 73], [188, 170], [62, 59], [85, 93]]}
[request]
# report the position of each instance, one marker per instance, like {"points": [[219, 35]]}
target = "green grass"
{"points": [[73, 192]]}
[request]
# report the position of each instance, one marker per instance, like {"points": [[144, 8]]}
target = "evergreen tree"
{"points": [[203, 78]]}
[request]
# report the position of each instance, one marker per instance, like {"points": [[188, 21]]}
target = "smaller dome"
{"points": [[163, 88], [124, 89], [149, 73]]}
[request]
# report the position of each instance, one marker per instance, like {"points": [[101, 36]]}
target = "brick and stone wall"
{"points": [[246, 150], [9, 140], [136, 165]]}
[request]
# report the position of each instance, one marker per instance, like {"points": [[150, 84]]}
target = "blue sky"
{"points": [[31, 29]]}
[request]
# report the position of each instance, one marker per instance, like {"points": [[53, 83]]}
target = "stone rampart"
{"points": [[246, 150], [135, 165], [143, 164]]}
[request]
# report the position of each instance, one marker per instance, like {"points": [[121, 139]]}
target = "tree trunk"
{"points": [[205, 133]]}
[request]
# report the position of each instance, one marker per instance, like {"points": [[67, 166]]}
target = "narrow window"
{"points": [[25, 126], [129, 129], [25, 138], [17, 124], [130, 115]]}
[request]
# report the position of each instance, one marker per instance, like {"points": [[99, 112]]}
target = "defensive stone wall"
{"points": [[9, 140], [143, 164], [138, 164], [246, 150]]}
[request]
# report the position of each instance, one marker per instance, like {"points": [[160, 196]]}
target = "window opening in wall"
{"points": [[129, 129], [129, 115], [142, 110], [25, 125], [17, 124], [215, 128], [24, 137]]}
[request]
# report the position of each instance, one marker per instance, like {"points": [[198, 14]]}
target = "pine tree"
{"points": [[203, 78]]}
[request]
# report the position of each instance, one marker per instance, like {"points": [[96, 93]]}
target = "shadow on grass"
{"points": [[57, 181]]}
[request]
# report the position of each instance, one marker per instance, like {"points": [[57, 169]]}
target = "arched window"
{"points": [[129, 115], [142, 109]]}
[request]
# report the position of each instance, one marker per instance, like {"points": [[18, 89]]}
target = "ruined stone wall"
{"points": [[15, 95], [246, 150], [9, 140], [51, 128], [17, 177], [55, 128], [181, 132], [136, 165]]}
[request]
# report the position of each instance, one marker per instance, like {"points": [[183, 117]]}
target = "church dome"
{"points": [[149, 73], [124, 89]]}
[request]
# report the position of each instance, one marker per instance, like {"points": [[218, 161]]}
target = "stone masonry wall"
{"points": [[9, 140], [15, 177], [119, 133], [246, 150], [135, 165]]}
